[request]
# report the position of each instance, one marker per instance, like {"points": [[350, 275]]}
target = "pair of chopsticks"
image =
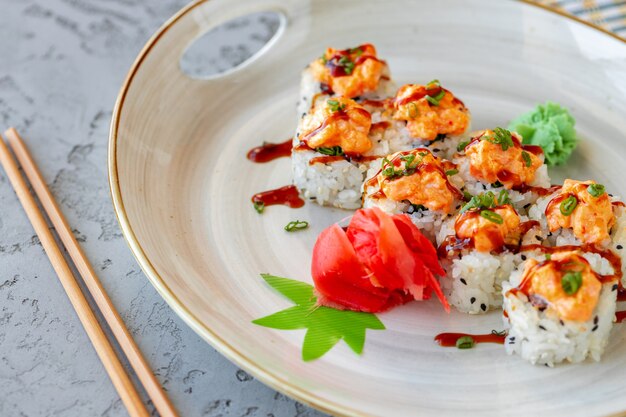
{"points": [[104, 349]]}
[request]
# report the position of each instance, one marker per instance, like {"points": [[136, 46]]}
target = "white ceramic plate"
{"points": [[181, 187]]}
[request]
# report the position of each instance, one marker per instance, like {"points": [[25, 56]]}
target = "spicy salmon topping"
{"points": [[489, 229], [430, 110], [584, 207], [338, 121], [419, 177], [565, 283], [349, 72], [498, 156]]}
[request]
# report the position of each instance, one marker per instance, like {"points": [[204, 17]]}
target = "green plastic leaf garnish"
{"points": [[325, 326]]}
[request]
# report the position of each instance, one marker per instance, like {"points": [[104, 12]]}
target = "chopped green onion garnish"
{"points": [[259, 206], [335, 105], [461, 146], [347, 65], [568, 205], [412, 108], [333, 151], [503, 198], [500, 137], [296, 225], [492, 216], [452, 172], [323, 58], [571, 282], [548, 256], [481, 201], [432, 84], [358, 51], [436, 99], [465, 342], [526, 158], [467, 196], [596, 190]]}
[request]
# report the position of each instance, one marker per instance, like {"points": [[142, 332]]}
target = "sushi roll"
{"points": [[479, 248], [417, 183], [495, 160], [352, 72], [582, 213], [560, 307]]}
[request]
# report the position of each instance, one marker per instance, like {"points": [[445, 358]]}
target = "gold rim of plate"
{"points": [[264, 375]]}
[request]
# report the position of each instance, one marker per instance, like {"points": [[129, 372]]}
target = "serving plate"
{"points": [[181, 187]]}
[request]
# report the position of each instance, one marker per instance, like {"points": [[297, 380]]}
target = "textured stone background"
{"points": [[62, 63]]}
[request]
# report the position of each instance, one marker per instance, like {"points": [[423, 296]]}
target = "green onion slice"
{"points": [[596, 190], [437, 98], [452, 172], [296, 225], [571, 282], [492, 216], [465, 342], [526, 157], [568, 205], [259, 206]]}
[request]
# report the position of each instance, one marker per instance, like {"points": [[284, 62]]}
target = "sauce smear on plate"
{"points": [[270, 151], [449, 339], [288, 196]]}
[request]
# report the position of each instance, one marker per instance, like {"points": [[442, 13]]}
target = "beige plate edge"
{"points": [[159, 284]]}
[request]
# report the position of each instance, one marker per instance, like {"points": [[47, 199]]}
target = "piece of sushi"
{"points": [[560, 307], [336, 144], [479, 248], [417, 183], [493, 160], [352, 72], [582, 213]]}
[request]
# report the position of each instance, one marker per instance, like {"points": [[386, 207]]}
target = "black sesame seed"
{"points": [[595, 320], [541, 308], [463, 281], [298, 135], [524, 257], [610, 195], [546, 365], [562, 322], [436, 150], [539, 238], [484, 186], [620, 247], [472, 300], [594, 328], [303, 114], [511, 342], [483, 307], [549, 234], [614, 287], [526, 206], [512, 338], [458, 207]]}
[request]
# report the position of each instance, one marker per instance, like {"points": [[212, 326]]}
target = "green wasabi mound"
{"points": [[550, 126]]}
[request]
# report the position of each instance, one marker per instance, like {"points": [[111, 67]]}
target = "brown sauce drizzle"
{"points": [[380, 125], [524, 188], [336, 116], [375, 103], [288, 196], [419, 94], [338, 70], [621, 294], [449, 339], [618, 204], [270, 151], [620, 316]]}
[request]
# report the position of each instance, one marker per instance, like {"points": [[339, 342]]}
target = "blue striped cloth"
{"points": [[608, 14]]}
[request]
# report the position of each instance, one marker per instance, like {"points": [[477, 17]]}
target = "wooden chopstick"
{"points": [[105, 351], [129, 347]]}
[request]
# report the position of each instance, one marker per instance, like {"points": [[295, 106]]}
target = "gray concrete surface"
{"points": [[62, 63]]}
